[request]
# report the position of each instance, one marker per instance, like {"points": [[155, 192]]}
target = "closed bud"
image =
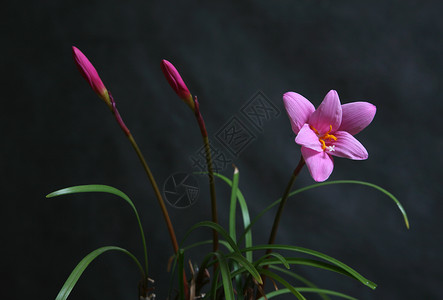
{"points": [[88, 72], [177, 83]]}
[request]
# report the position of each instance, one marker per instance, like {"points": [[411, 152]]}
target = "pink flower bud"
{"points": [[88, 72], [176, 82]]}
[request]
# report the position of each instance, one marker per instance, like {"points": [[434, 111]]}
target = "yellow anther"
{"points": [[329, 136], [324, 137], [315, 130], [323, 144]]}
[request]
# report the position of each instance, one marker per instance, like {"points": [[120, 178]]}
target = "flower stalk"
{"points": [[88, 71], [283, 201], [204, 133], [277, 218], [151, 178], [144, 290], [160, 200], [178, 85]]}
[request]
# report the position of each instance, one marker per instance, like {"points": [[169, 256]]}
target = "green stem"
{"points": [[204, 133], [157, 193], [277, 218], [145, 249], [151, 178]]}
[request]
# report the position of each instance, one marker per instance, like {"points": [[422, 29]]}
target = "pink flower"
{"points": [[176, 82], [327, 131], [88, 72]]}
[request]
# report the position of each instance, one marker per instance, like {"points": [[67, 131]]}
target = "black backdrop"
{"points": [[57, 133]]}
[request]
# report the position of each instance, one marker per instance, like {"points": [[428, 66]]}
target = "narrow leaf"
{"points": [[284, 282], [264, 260], [221, 242], [83, 264], [301, 279], [307, 290], [397, 202], [233, 206], [400, 207], [247, 235], [247, 265], [226, 276], [216, 227], [334, 261], [181, 286], [311, 263], [90, 188]]}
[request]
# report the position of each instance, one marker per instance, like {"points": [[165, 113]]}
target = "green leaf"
{"points": [[264, 260], [284, 282], [92, 188], [301, 279], [311, 263], [400, 207], [226, 276], [236, 254], [83, 264], [299, 261], [397, 202], [99, 188], [307, 290], [216, 227], [247, 265], [214, 286], [221, 242], [334, 261], [247, 235], [181, 286], [232, 215]]}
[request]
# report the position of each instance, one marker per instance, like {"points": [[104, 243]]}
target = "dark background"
{"points": [[57, 133]]}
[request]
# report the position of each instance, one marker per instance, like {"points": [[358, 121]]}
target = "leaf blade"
{"points": [[308, 290], [100, 188], [247, 234], [233, 204], [284, 282], [332, 260], [84, 263], [226, 276]]}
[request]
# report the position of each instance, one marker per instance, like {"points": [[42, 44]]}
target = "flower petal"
{"points": [[328, 113], [298, 108], [347, 146], [307, 138], [356, 116], [320, 164]]}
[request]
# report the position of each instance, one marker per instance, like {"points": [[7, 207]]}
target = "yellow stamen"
{"points": [[315, 130], [325, 136], [323, 144], [329, 137]]}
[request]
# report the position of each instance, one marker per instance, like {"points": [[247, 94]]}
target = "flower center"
{"points": [[325, 137]]}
